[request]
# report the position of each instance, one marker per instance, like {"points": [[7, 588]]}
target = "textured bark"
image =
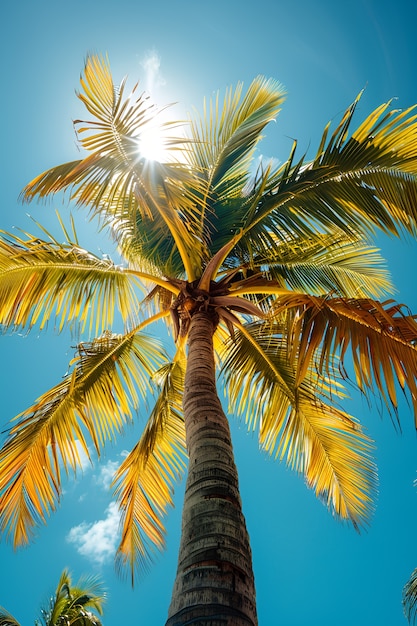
{"points": [[214, 584]]}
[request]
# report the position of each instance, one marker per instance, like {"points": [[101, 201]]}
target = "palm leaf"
{"points": [[300, 423], [335, 456], [146, 244], [232, 213], [109, 376], [381, 338], [71, 603], [323, 263], [144, 481], [222, 145], [354, 184], [224, 140], [331, 263], [114, 180], [44, 279]]}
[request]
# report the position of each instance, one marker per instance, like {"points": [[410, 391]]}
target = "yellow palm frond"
{"points": [[300, 423], [324, 263], [329, 448], [325, 445], [41, 279], [380, 337], [144, 481], [110, 375], [114, 180]]}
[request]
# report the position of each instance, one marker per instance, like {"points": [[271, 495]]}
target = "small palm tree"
{"points": [[72, 604], [265, 276]]}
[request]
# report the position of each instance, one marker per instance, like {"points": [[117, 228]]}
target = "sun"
{"points": [[153, 145], [161, 138]]}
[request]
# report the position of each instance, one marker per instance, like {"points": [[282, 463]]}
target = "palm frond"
{"points": [[323, 263], [234, 213], [355, 183], [330, 449], [42, 279], [7, 619], [410, 598], [327, 263], [110, 375], [144, 481], [148, 247], [300, 423], [380, 337], [223, 141], [114, 180], [72, 601]]}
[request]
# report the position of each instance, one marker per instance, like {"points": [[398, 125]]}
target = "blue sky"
{"points": [[309, 568]]}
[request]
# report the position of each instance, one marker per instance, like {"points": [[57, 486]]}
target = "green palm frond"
{"points": [[110, 375], [386, 138], [44, 279], [147, 246], [410, 598], [300, 423], [380, 337], [223, 141], [86, 592], [354, 183], [72, 602], [169, 227], [144, 481], [232, 213], [323, 263]]}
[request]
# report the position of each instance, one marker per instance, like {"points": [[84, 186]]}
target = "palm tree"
{"points": [[70, 606], [265, 276]]}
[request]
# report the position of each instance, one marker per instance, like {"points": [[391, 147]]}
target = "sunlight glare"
{"points": [[152, 144]]}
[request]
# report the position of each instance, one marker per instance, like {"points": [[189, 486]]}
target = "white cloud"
{"points": [[97, 541], [153, 77], [106, 474]]}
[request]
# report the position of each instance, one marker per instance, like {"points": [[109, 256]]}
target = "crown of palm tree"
{"points": [[72, 605]]}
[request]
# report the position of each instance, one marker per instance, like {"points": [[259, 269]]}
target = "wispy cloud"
{"points": [[97, 541], [153, 78], [106, 474]]}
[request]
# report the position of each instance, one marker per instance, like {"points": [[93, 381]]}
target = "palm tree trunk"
{"points": [[214, 584]]}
